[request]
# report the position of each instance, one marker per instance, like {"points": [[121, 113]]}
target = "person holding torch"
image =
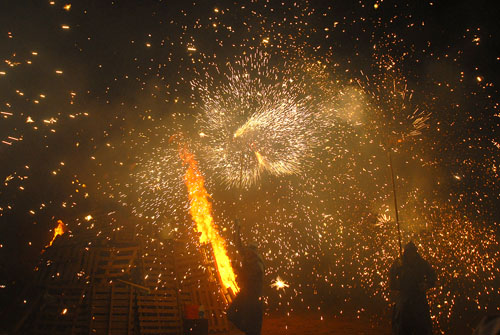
{"points": [[246, 310]]}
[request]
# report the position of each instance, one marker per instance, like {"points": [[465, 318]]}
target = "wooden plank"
{"points": [[130, 316], [176, 272]]}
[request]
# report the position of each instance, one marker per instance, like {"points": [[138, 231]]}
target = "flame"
{"points": [[59, 230], [200, 209]]}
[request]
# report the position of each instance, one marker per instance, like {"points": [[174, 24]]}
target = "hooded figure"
{"points": [[245, 312], [411, 277]]}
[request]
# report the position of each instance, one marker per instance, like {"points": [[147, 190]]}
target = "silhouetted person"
{"points": [[245, 312], [411, 277]]}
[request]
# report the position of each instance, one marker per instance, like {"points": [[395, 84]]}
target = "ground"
{"points": [[312, 324]]}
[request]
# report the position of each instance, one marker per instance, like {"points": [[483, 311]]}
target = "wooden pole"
{"points": [[395, 203]]}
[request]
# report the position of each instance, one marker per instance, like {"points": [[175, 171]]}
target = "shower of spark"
{"points": [[396, 115], [159, 185], [258, 119], [201, 212], [304, 124]]}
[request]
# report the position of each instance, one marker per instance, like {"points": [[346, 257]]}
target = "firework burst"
{"points": [[256, 119]]}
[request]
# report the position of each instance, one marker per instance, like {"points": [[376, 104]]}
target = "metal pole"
{"points": [[395, 204], [241, 172]]}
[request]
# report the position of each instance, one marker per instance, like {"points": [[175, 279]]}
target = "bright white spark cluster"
{"points": [[257, 117]]}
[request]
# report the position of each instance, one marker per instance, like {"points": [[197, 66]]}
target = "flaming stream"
{"points": [[59, 230], [200, 209]]}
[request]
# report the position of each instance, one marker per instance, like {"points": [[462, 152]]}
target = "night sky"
{"points": [[97, 97]]}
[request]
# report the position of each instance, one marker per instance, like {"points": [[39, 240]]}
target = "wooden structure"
{"points": [[122, 284]]}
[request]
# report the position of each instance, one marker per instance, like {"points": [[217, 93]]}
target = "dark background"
{"points": [[114, 86]]}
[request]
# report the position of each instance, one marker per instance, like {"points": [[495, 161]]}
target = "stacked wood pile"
{"points": [[122, 284]]}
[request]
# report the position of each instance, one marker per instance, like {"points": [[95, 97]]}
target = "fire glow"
{"points": [[59, 230], [200, 209]]}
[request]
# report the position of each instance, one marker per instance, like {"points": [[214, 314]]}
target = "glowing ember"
{"points": [[59, 230], [200, 209]]}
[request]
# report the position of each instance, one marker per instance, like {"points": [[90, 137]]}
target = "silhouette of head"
{"points": [[251, 252], [253, 246], [410, 253]]}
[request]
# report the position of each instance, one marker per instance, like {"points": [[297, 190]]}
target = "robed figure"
{"points": [[412, 277]]}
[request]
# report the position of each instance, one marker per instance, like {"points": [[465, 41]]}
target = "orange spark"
{"points": [[200, 209]]}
